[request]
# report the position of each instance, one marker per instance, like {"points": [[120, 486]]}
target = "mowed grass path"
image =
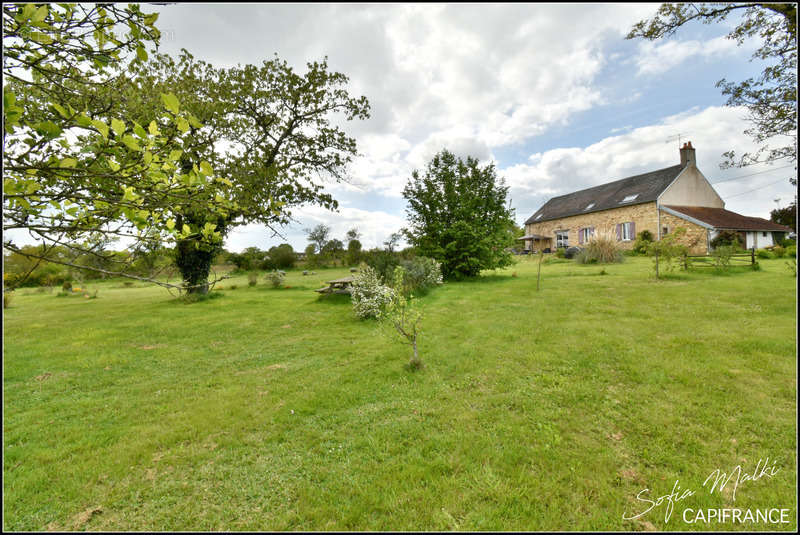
{"points": [[275, 410]]}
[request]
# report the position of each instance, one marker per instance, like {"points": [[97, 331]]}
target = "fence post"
{"points": [[752, 256], [656, 263]]}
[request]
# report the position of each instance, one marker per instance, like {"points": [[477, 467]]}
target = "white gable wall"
{"points": [[691, 188]]}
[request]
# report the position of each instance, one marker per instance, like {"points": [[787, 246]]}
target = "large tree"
{"points": [[770, 99], [76, 167], [458, 215], [785, 216], [267, 130]]}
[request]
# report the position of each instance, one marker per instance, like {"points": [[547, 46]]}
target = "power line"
{"points": [[753, 174], [752, 190]]}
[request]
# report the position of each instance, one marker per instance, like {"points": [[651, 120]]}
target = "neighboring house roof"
{"points": [[719, 218], [625, 192]]}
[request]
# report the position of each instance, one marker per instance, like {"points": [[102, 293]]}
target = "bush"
{"points": [[67, 286], [667, 250], [643, 239], [252, 279], [791, 251], [761, 253], [602, 248], [276, 278], [722, 255], [383, 262], [420, 273], [7, 298], [369, 295], [779, 251], [560, 252], [727, 237], [282, 256]]}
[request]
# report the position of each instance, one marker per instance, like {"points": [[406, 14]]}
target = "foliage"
{"points": [[727, 237], [602, 248], [420, 273], [786, 216], [392, 241], [770, 99], [8, 296], [383, 262], [403, 317], [252, 279], [282, 256], [369, 295], [643, 240], [318, 236], [667, 250], [722, 255], [75, 164], [791, 251], [353, 256], [792, 265], [458, 215], [560, 252], [762, 253], [275, 278]]}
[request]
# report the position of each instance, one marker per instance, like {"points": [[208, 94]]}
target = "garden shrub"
{"points": [[779, 251], [369, 295], [67, 286], [602, 248], [761, 253], [252, 279], [560, 252], [420, 273], [722, 255], [7, 298], [276, 278], [666, 250], [727, 237], [643, 239], [791, 251]]}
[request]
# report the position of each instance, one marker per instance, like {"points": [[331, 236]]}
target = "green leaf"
{"points": [[101, 127], [183, 124], [170, 224], [130, 142], [206, 169], [175, 155], [40, 14], [48, 129], [69, 162], [141, 53], [60, 109], [9, 98], [153, 128], [118, 126], [195, 122], [138, 130], [150, 19], [171, 102], [186, 230], [113, 165]]}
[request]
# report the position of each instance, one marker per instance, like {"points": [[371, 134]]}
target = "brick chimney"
{"points": [[687, 155]]}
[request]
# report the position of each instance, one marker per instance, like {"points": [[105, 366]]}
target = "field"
{"points": [[269, 409]]}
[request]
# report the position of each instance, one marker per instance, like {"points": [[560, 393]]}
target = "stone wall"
{"points": [[644, 216], [696, 237]]}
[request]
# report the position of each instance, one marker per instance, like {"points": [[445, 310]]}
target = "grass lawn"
{"points": [[271, 409]]}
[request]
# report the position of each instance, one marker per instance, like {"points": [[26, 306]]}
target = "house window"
{"points": [[629, 198], [562, 238], [626, 231], [585, 234], [764, 234], [664, 231]]}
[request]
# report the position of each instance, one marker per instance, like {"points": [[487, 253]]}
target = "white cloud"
{"points": [[656, 57]]}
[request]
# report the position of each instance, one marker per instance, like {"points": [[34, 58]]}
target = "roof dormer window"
{"points": [[629, 198], [591, 205], [537, 217]]}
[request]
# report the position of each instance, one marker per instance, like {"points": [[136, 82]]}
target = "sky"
{"points": [[552, 94]]}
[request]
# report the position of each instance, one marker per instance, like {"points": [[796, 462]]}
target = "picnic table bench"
{"points": [[337, 286]]}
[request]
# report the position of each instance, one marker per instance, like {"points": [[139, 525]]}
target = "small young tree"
{"points": [[403, 317], [666, 250]]}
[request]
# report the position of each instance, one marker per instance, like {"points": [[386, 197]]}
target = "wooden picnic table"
{"points": [[337, 286]]}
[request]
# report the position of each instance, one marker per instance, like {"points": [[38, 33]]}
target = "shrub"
{"points": [[643, 239], [560, 252], [761, 253], [252, 279], [727, 237], [602, 248], [791, 251], [667, 250], [283, 256], [7, 298], [420, 272], [400, 313], [276, 278], [722, 255], [67, 286], [792, 265], [383, 262], [779, 251], [368, 294]]}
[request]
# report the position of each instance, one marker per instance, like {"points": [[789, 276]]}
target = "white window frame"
{"points": [[586, 235], [625, 233], [562, 238], [629, 198]]}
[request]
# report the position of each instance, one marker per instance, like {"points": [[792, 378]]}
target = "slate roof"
{"points": [[719, 218], [647, 187]]}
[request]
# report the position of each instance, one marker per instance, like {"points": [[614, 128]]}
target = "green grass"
{"points": [[277, 410]]}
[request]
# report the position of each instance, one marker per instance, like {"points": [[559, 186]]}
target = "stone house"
{"points": [[659, 201]]}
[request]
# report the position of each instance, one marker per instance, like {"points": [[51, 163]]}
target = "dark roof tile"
{"points": [[720, 218]]}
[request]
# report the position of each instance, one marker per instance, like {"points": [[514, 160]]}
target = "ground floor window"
{"points": [[562, 238], [585, 234], [626, 231]]}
